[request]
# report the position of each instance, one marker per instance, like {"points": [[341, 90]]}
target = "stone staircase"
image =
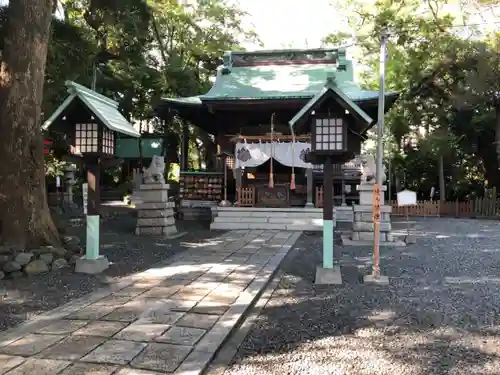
{"points": [[292, 219], [344, 214]]}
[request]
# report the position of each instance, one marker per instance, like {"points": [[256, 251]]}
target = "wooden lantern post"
{"points": [[90, 122], [328, 141], [94, 142], [93, 164]]}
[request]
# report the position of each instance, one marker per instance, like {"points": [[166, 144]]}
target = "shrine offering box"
{"points": [[278, 196]]}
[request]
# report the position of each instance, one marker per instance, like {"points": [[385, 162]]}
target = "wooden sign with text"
{"points": [[85, 197]]}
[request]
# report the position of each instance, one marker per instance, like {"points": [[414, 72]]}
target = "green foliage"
{"points": [[449, 84], [143, 50], [54, 166]]}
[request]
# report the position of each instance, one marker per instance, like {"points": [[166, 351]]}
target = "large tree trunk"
{"points": [[24, 214], [497, 128]]}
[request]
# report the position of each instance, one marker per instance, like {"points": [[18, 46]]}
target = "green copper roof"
{"points": [[344, 100], [277, 75], [281, 81], [104, 108]]}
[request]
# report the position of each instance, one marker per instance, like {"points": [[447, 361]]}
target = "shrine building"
{"points": [[260, 110]]}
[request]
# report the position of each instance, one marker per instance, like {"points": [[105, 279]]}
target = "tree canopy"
{"points": [[444, 131], [143, 50], [447, 68]]}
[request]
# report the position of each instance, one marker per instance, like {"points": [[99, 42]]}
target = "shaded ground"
{"points": [[20, 299], [439, 315]]}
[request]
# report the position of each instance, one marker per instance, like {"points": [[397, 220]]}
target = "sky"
{"points": [[297, 24], [289, 23]]}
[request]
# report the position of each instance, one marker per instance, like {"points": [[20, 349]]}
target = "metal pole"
{"points": [[380, 132], [94, 76], [389, 179], [381, 106]]}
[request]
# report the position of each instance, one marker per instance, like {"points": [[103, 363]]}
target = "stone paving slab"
{"points": [[89, 369], [170, 319], [8, 362], [39, 367], [72, 348]]}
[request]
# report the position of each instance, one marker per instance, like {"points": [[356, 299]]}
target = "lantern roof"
{"points": [[330, 89], [102, 107]]}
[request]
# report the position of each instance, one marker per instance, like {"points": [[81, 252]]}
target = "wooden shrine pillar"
{"points": [[238, 183], [310, 187], [343, 192], [223, 145], [185, 148]]}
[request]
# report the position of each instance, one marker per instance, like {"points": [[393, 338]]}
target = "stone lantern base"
{"points": [[155, 213], [362, 225]]}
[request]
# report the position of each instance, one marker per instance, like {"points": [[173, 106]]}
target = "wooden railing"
{"points": [[337, 199], [424, 208], [480, 207], [486, 207], [246, 196]]}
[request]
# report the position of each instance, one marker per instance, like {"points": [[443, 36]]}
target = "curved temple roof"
{"points": [[279, 79]]}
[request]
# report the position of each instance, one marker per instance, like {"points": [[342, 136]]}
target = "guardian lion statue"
{"points": [[369, 168], [156, 171]]}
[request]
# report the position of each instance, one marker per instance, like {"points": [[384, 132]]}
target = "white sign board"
{"points": [[407, 198], [85, 196], [58, 181]]}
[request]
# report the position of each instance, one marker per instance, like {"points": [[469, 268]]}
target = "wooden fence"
{"points": [[246, 196], [487, 207], [480, 207]]}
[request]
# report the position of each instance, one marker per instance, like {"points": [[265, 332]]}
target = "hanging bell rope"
{"points": [[271, 175]]}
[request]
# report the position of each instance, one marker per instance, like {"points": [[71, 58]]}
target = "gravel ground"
{"points": [[439, 315], [21, 299]]}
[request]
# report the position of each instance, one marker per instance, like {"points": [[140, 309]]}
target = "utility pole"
{"points": [[380, 132], [94, 75], [389, 179], [381, 107]]}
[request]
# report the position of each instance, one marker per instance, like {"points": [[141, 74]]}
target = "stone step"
{"points": [[342, 214], [267, 209], [263, 214], [156, 231], [272, 220], [260, 226], [155, 222]]}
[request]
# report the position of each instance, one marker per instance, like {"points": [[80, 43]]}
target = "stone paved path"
{"points": [[167, 320]]}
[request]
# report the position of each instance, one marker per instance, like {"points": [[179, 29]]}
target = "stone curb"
{"points": [[227, 352], [203, 353], [44, 319], [199, 359]]}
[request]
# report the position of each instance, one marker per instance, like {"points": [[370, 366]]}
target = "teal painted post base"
{"points": [[92, 262], [328, 243], [330, 273], [92, 249]]}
